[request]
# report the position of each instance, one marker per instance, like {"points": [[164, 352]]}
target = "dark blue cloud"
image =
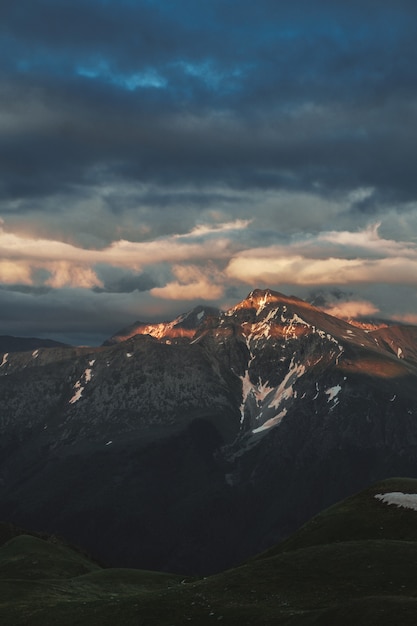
{"points": [[160, 114]]}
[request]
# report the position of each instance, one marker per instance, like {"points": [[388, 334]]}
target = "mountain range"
{"points": [[21, 344], [190, 446]]}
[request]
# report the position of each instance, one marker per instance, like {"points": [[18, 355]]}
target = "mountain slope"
{"points": [[327, 573], [183, 326], [192, 454]]}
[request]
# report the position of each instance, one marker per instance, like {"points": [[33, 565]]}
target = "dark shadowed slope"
{"points": [[23, 344], [355, 563]]}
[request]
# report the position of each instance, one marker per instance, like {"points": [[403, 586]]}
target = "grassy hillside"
{"points": [[355, 563]]}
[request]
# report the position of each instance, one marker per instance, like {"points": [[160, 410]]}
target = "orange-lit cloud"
{"points": [[192, 283], [201, 290], [120, 253], [352, 309], [196, 260], [253, 267], [73, 266], [354, 258], [408, 318], [64, 274], [15, 272]]}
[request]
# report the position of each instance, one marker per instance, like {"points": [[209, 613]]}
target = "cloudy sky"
{"points": [[157, 154]]}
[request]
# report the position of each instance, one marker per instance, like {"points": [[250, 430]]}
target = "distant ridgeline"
{"points": [[21, 344]]}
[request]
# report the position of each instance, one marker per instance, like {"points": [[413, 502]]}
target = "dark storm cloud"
{"points": [[26, 315], [264, 97], [127, 284], [143, 121], [177, 198], [26, 289]]}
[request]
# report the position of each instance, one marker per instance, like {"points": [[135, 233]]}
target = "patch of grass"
{"points": [[359, 517], [371, 611], [29, 557], [355, 563]]}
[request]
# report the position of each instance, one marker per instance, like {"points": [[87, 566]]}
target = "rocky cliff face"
{"points": [[189, 451]]}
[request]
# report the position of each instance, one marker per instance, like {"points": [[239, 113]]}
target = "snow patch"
{"points": [[80, 385], [271, 422], [285, 389], [5, 357], [258, 391], [294, 321], [35, 354], [400, 354], [87, 375], [200, 315], [129, 355], [262, 303], [329, 337], [78, 392], [272, 313], [400, 499], [268, 400], [260, 330], [332, 392]]}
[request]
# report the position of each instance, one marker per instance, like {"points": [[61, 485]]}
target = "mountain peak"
{"points": [[183, 326], [261, 298], [269, 294]]}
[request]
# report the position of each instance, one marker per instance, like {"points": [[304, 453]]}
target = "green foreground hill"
{"points": [[355, 563]]}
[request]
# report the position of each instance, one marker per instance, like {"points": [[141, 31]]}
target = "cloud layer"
{"points": [[154, 154]]}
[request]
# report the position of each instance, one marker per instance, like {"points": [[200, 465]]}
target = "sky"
{"points": [[155, 155]]}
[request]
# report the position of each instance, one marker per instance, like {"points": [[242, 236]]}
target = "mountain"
{"points": [[355, 563], [23, 344], [192, 453], [183, 326]]}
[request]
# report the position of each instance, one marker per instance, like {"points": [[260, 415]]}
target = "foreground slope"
{"points": [[190, 453], [354, 563]]}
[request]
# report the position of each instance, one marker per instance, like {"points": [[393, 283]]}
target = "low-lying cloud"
{"points": [[330, 258]]}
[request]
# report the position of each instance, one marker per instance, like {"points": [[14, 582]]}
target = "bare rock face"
{"points": [[191, 446]]}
